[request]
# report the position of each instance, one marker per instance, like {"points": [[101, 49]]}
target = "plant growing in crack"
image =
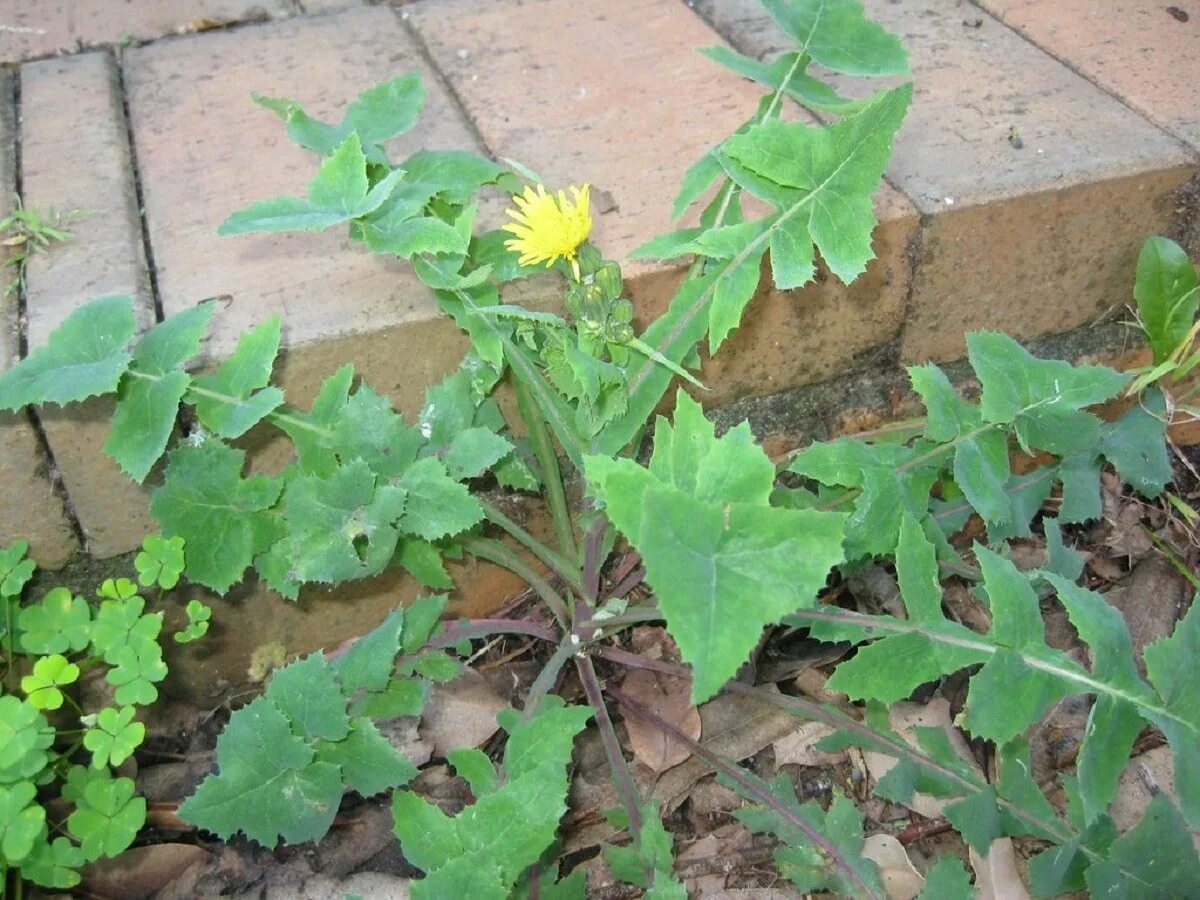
{"points": [[728, 541]]}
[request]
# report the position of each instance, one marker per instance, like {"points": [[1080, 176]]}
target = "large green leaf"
{"points": [[236, 398], [722, 561], [1167, 292], [223, 518], [85, 356]]}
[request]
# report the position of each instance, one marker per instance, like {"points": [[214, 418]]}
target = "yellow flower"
{"points": [[547, 228]]}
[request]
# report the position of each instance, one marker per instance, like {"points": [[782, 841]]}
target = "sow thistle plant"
{"points": [[729, 542]]}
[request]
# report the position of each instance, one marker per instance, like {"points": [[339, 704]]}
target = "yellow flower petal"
{"points": [[548, 228]]}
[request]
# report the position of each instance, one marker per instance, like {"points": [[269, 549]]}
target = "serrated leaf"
{"points": [[722, 561], [268, 784], [223, 518], [947, 880], [947, 415], [836, 34], [308, 695], [423, 561], [368, 762], [454, 174], [367, 428], [420, 620], [238, 381], [437, 505], [311, 432], [377, 114], [1136, 444], [1155, 859], [1172, 670], [476, 768], [143, 421], [982, 472], [800, 86], [823, 177], [737, 281], [648, 858], [367, 665], [83, 357], [339, 192], [473, 451], [1165, 289], [341, 527]]}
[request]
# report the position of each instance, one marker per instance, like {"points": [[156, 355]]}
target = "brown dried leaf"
{"points": [[1150, 599], [461, 713], [798, 748], [900, 877], [997, 876], [141, 871], [668, 698]]}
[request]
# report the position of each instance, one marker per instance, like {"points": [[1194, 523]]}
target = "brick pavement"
{"points": [[1044, 143]]}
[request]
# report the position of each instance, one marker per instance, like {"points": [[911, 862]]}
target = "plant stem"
{"points": [[545, 680], [478, 628], [752, 788], [622, 779], [494, 551], [543, 449], [283, 417], [625, 619], [556, 562]]}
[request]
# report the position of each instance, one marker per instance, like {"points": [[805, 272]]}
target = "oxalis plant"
{"points": [[64, 797], [729, 541]]}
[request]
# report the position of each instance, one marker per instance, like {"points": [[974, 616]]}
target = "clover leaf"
{"points": [[116, 589], [53, 865], [107, 817], [49, 674], [114, 737], [15, 568], [60, 623], [24, 736], [198, 615], [160, 561], [136, 668], [120, 624], [21, 820]]}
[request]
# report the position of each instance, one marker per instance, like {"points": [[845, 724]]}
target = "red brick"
{"points": [[1137, 50], [34, 28], [205, 149], [81, 162], [29, 508]]}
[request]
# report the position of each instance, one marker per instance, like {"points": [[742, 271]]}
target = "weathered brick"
{"points": [[34, 28], [629, 115], [1142, 52], [29, 508], [205, 150], [81, 162], [1038, 187]]}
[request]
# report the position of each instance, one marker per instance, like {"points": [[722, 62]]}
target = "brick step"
{"points": [[1020, 191]]}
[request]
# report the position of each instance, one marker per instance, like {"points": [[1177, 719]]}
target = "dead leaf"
{"points": [[1150, 599], [901, 880], [812, 683], [403, 733], [670, 699], [1126, 536], [798, 748], [141, 871], [997, 876], [905, 718], [461, 713]]}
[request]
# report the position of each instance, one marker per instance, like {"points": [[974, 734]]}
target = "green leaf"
{"points": [[43, 685], [1136, 444], [54, 865], [947, 880], [160, 561], [437, 505], [823, 178], [380, 113], [454, 174], [15, 568], [1158, 852], [801, 87], [198, 615], [836, 34], [722, 561], [836, 862], [736, 284], [114, 737], [423, 561], [1171, 668], [135, 669], [25, 735], [696, 180], [341, 527], [237, 381], [269, 784], [649, 855], [21, 821], [473, 451], [420, 620], [483, 850], [1043, 398], [60, 623], [476, 768], [339, 192], [120, 624], [107, 816], [947, 415], [367, 664], [368, 762], [225, 520], [174, 340], [982, 472], [84, 357], [1166, 292], [307, 693], [409, 237]]}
